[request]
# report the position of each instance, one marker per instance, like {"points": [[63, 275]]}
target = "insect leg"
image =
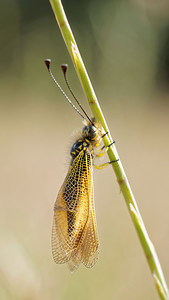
{"points": [[97, 145], [104, 134], [105, 150], [105, 164]]}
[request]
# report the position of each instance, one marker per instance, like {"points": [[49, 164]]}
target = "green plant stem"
{"points": [[112, 152]]}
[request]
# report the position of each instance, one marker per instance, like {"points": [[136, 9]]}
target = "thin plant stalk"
{"points": [[146, 243]]}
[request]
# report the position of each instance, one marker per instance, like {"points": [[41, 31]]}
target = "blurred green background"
{"points": [[125, 47]]}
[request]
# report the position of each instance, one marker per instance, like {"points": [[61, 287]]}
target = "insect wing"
{"points": [[74, 233]]}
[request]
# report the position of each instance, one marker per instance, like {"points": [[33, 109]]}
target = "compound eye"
{"points": [[73, 151], [89, 132]]}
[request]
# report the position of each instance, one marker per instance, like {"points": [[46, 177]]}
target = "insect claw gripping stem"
{"points": [[105, 150], [105, 164], [104, 134], [107, 146], [111, 144]]}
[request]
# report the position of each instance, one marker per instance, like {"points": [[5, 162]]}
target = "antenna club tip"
{"points": [[64, 68], [47, 63]]}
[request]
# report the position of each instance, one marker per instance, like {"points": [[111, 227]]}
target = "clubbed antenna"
{"points": [[48, 62], [64, 69]]}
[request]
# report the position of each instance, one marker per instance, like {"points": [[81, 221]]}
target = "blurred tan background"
{"points": [[125, 46]]}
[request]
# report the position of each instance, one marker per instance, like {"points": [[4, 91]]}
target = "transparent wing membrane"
{"points": [[74, 233]]}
